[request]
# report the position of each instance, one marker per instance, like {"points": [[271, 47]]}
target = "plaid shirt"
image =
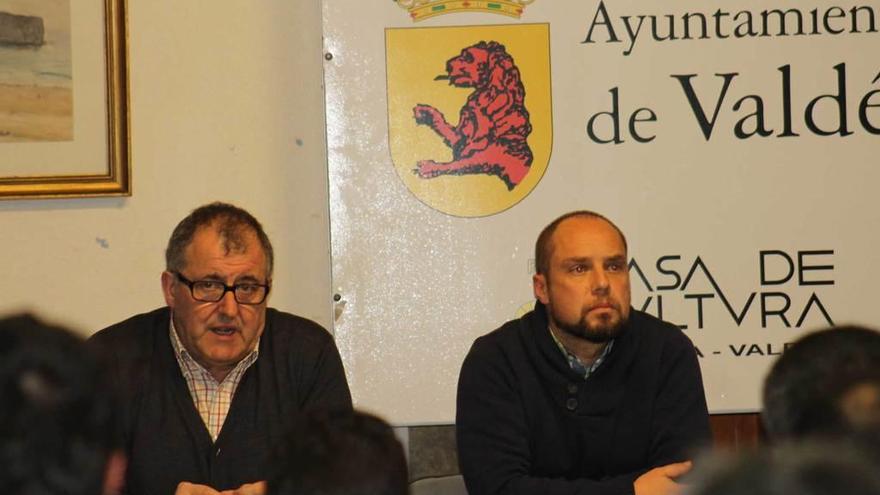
{"points": [[576, 364], [211, 398]]}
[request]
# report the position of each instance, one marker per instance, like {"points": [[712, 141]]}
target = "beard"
{"points": [[598, 332]]}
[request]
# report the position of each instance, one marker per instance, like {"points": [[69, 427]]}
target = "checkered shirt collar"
{"points": [[575, 362]]}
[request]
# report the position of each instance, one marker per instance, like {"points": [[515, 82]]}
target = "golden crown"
{"points": [[423, 9]]}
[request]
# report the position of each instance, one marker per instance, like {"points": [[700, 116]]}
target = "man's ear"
{"points": [[168, 281], [539, 286]]}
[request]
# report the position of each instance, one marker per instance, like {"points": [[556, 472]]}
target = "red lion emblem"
{"points": [[493, 124]]}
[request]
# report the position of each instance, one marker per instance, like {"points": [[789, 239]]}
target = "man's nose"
{"points": [[228, 305], [600, 281]]}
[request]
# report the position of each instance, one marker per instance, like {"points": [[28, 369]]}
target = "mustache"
{"points": [[223, 320], [604, 304]]}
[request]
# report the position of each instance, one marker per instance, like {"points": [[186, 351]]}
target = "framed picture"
{"points": [[64, 99]]}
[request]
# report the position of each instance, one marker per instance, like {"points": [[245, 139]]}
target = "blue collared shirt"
{"points": [[575, 363]]}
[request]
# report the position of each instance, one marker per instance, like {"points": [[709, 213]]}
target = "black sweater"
{"points": [[164, 437], [528, 424]]}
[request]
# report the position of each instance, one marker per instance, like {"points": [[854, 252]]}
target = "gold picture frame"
{"points": [[116, 181]]}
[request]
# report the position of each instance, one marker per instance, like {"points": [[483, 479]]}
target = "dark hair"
{"points": [[339, 453], [57, 423], [231, 223], [808, 390], [544, 244], [805, 468]]}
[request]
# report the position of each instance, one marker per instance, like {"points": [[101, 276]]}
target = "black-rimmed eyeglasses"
{"points": [[213, 291]]}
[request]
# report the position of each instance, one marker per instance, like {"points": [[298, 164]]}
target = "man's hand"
{"points": [[661, 480], [187, 488], [257, 488]]}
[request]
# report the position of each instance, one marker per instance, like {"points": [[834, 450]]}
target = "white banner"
{"points": [[733, 143]]}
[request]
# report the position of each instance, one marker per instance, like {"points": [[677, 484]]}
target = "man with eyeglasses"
{"points": [[210, 380]]}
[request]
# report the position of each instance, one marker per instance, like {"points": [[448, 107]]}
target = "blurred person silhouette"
{"points": [[826, 384], [808, 467], [57, 414], [338, 453]]}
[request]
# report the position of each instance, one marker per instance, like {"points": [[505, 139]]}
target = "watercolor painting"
{"points": [[36, 71]]}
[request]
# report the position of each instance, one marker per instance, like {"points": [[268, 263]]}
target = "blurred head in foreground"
{"points": [[804, 468], [339, 453], [57, 425], [826, 384]]}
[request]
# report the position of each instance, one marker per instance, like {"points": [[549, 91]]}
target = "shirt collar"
{"points": [[575, 363]]}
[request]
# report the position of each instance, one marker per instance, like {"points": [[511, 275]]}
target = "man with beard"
{"points": [[583, 395]]}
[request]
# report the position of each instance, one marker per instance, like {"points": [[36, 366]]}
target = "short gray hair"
{"points": [[230, 222]]}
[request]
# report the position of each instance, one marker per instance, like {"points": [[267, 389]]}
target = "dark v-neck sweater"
{"points": [[166, 440], [528, 424]]}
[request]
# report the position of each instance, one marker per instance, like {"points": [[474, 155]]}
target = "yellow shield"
{"points": [[469, 114]]}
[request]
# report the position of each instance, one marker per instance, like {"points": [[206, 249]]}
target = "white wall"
{"points": [[226, 104]]}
